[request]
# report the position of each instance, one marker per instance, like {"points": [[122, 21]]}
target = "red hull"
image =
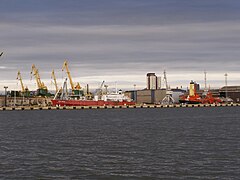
{"points": [[209, 99], [90, 103]]}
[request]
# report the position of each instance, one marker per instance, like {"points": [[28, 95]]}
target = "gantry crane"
{"points": [[65, 66], [19, 77], [55, 81]]}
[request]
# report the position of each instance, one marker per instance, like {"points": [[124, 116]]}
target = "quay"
{"points": [[22, 108]]}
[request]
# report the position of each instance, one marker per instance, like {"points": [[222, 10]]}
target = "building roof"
{"points": [[230, 88]]}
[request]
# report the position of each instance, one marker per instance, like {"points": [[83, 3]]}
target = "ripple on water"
{"points": [[189, 143]]}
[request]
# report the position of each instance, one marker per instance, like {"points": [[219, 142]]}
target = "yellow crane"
{"points": [[35, 72], [55, 81], [65, 66], [19, 77]]}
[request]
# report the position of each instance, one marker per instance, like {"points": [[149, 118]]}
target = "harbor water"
{"points": [[105, 144]]}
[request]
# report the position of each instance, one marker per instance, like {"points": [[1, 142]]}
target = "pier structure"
{"points": [[22, 108]]}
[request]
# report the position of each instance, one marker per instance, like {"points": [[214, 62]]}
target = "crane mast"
{"points": [[65, 66], [35, 72], [19, 77], [168, 99], [55, 81], [165, 79]]}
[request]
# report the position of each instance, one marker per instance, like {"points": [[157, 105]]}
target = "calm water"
{"points": [[184, 143]]}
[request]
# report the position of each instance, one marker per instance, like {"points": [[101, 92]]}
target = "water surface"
{"points": [[174, 143]]}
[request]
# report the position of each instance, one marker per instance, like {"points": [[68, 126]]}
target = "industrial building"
{"points": [[153, 82], [153, 94], [147, 96], [232, 92]]}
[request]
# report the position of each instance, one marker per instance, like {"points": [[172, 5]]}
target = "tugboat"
{"points": [[209, 99], [194, 98]]}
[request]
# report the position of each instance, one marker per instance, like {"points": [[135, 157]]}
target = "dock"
{"points": [[30, 108]]}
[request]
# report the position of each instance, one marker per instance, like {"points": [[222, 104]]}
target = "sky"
{"points": [[120, 41]]}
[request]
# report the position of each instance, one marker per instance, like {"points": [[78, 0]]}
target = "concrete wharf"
{"points": [[22, 108]]}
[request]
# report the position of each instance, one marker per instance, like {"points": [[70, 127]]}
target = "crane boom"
{"points": [[55, 81], [65, 66], [99, 91], [35, 72], [19, 77], [101, 86]]}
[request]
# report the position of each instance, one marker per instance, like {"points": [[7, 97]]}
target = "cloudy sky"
{"points": [[120, 41]]}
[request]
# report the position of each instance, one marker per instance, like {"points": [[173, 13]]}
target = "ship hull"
{"points": [[189, 102], [90, 103]]}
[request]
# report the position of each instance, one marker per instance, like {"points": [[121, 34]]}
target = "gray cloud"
{"points": [[124, 44]]}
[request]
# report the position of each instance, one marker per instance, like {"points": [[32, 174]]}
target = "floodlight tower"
{"points": [[5, 87], [226, 89], [205, 84], [205, 80]]}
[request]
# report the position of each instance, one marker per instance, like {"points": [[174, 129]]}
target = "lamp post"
{"points": [[135, 93], [5, 87], [226, 90]]}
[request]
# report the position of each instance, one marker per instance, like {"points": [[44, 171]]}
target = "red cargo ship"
{"points": [[113, 99], [59, 102]]}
